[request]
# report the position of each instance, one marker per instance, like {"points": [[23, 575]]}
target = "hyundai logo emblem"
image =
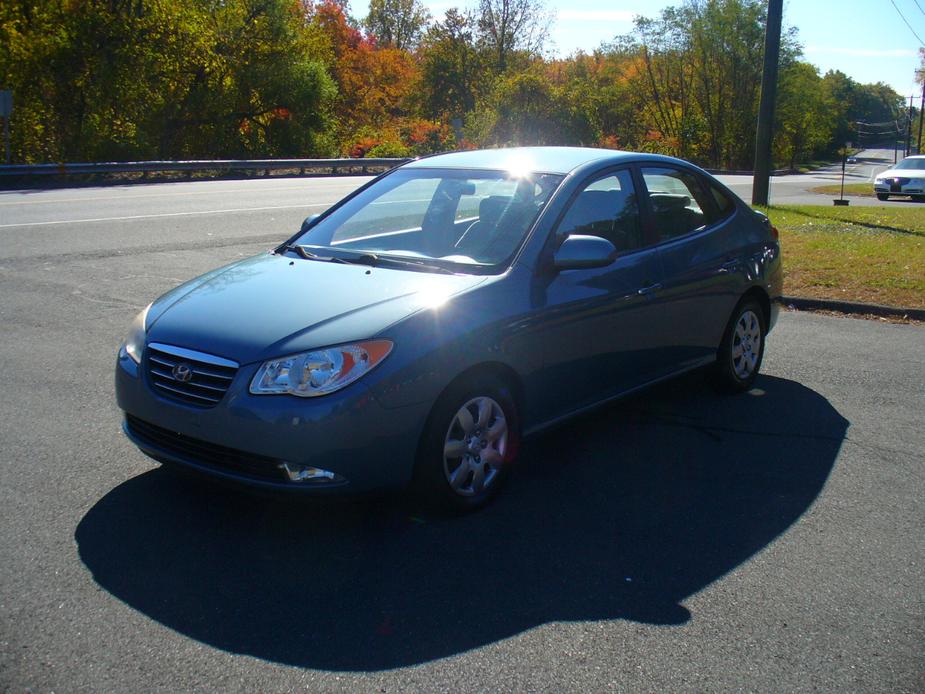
{"points": [[182, 372]]}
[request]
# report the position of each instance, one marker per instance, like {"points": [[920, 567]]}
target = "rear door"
{"points": [[699, 258]]}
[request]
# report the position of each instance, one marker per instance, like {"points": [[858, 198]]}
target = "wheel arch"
{"points": [[490, 370], [761, 296], [493, 372]]}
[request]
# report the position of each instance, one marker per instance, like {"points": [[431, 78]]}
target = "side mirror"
{"points": [[581, 252], [308, 222]]}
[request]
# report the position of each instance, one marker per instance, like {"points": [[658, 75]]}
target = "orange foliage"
{"points": [[375, 84]]}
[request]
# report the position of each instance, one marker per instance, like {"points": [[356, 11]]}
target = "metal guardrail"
{"points": [[335, 165], [349, 165]]}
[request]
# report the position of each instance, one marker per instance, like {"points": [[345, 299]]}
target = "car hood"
{"points": [[273, 305], [902, 173]]}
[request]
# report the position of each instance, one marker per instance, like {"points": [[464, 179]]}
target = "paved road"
{"points": [[676, 542], [797, 189], [206, 212]]}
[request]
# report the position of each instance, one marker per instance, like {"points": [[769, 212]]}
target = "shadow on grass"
{"points": [[620, 515]]}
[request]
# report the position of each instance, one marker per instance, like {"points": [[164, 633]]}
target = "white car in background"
{"points": [[906, 178]]}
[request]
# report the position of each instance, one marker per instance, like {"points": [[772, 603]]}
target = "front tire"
{"points": [[742, 349], [471, 439], [882, 196]]}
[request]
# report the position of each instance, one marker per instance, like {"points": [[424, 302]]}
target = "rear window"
{"points": [[677, 200]]}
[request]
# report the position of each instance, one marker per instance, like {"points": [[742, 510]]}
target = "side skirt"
{"points": [[556, 421]]}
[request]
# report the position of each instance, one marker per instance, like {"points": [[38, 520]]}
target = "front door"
{"points": [[595, 324]]}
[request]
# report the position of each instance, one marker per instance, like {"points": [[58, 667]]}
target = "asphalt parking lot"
{"points": [[676, 541]]}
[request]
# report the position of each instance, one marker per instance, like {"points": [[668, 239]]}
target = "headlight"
{"points": [[878, 180], [319, 372], [135, 342]]}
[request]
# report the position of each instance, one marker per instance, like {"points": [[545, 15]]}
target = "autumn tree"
{"points": [[658, 59], [254, 88], [805, 115], [509, 26], [600, 85], [397, 23], [451, 67], [527, 109], [877, 106], [162, 79]]}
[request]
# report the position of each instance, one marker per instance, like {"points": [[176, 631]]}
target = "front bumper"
{"points": [[900, 186], [246, 438]]}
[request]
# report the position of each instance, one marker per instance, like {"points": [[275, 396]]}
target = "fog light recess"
{"points": [[305, 473]]}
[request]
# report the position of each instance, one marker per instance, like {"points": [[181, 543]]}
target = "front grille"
{"points": [[191, 377], [898, 183], [205, 453]]}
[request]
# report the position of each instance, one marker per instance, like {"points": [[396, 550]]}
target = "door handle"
{"points": [[650, 289]]}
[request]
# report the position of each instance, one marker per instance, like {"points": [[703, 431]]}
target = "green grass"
{"points": [[857, 189], [867, 254]]}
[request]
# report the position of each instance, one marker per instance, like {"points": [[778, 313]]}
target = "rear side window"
{"points": [[679, 203], [606, 207], [724, 206]]}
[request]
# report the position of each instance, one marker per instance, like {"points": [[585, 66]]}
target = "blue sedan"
{"points": [[416, 331]]}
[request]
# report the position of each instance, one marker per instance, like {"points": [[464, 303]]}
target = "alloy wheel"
{"points": [[475, 446], [746, 344]]}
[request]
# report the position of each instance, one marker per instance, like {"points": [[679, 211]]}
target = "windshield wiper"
{"points": [[363, 259], [302, 252], [379, 260], [371, 259]]}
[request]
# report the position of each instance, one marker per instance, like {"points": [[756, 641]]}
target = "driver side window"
{"points": [[607, 208]]}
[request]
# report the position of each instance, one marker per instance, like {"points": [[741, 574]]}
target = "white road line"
{"points": [[148, 195], [165, 214]]}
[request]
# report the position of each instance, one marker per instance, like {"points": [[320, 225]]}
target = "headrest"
{"points": [[665, 202], [492, 207]]}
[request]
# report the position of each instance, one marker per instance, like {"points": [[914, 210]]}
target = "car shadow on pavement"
{"points": [[620, 515]]}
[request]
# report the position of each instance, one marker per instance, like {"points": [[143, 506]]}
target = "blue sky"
{"points": [[865, 39]]}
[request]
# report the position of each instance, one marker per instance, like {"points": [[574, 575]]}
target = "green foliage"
{"points": [[397, 23], [866, 103], [451, 67], [389, 149], [805, 114], [525, 109], [162, 79]]}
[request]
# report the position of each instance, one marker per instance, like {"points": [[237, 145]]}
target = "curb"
{"points": [[852, 307]]}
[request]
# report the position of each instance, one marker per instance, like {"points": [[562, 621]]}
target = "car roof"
{"points": [[559, 160]]}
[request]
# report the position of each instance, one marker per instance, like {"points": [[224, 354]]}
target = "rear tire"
{"points": [[742, 349], [471, 439]]}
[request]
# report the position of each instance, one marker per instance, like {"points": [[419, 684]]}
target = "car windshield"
{"points": [[911, 164], [466, 220]]}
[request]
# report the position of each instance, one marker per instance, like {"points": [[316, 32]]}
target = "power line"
{"points": [[919, 6], [921, 43]]}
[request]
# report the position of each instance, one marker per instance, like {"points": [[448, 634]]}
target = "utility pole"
{"points": [[909, 126], [6, 109], [918, 149], [762, 177]]}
